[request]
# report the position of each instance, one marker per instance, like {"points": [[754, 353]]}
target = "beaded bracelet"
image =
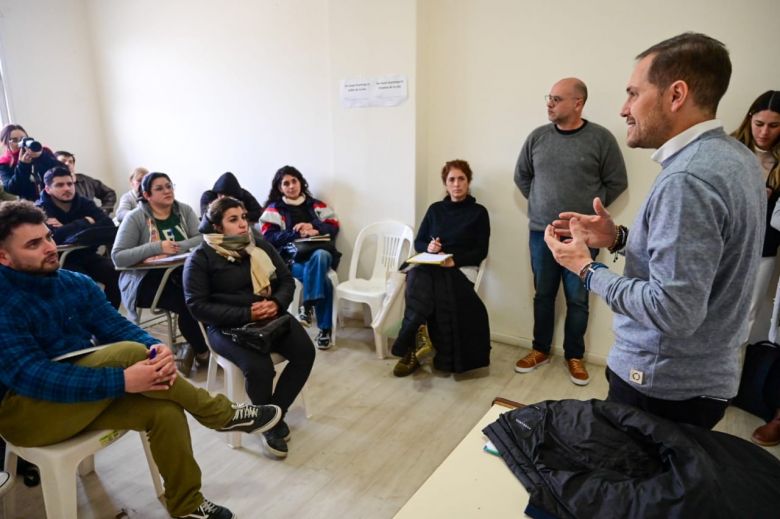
{"points": [[621, 238]]}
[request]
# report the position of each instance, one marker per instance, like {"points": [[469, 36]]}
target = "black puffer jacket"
{"points": [[602, 459], [219, 292]]}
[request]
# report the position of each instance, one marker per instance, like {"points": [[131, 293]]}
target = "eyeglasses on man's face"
{"points": [[554, 100], [163, 187]]}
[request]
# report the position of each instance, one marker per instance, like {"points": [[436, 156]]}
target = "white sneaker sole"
{"points": [[272, 452], [579, 382], [528, 370]]}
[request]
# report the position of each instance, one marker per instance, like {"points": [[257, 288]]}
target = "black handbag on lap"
{"points": [[260, 335]]}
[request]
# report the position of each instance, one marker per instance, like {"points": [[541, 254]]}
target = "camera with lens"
{"points": [[31, 144]]}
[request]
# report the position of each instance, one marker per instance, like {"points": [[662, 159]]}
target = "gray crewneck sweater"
{"points": [[564, 171], [691, 260]]}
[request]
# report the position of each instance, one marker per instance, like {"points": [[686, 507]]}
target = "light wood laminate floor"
{"points": [[372, 440]]}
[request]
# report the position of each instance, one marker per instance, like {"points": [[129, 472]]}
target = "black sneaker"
{"points": [[208, 510], [323, 339], [253, 418], [283, 430], [304, 315], [275, 440]]}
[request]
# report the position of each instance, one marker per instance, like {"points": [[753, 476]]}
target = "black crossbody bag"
{"points": [[260, 335]]}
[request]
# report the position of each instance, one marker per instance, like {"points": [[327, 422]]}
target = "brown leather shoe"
{"points": [[768, 435], [577, 372], [532, 361]]}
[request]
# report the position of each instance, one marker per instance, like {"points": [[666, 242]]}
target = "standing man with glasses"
{"points": [[563, 165]]}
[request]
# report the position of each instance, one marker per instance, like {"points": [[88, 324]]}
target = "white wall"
{"points": [[50, 80], [489, 64], [196, 88], [373, 148]]}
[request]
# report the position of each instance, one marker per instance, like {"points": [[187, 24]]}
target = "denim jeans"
{"points": [[317, 287], [547, 278]]}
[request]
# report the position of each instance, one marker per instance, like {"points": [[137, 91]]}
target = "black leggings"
{"points": [[258, 369], [172, 299]]}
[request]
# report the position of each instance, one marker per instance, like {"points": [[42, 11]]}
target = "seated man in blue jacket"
{"points": [[69, 214], [130, 383]]}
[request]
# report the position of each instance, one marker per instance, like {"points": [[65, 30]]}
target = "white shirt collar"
{"points": [[681, 140]]}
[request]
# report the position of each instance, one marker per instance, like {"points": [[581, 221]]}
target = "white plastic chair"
{"points": [[235, 388], [392, 238], [388, 322], [58, 464]]}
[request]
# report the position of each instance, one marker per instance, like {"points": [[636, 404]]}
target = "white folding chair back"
{"points": [[58, 465], [235, 384], [392, 239]]}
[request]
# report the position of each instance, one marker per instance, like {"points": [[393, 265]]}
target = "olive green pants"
{"points": [[29, 422]]}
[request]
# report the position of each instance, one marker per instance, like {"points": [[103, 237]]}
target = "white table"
{"points": [[469, 482]]}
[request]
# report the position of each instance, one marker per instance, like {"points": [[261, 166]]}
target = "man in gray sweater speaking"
{"points": [[692, 254], [562, 167]]}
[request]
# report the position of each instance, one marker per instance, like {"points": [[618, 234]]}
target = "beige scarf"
{"points": [[235, 247]]}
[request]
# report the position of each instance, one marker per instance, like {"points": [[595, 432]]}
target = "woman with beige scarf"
{"points": [[232, 279]]}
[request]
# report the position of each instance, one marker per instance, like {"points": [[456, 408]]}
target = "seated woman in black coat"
{"points": [[230, 280], [443, 296]]}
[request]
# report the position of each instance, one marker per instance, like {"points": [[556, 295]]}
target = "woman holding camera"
{"points": [[23, 163], [291, 213], [159, 226], [232, 279]]}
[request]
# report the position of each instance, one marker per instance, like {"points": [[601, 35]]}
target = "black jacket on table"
{"points": [[227, 184], [604, 459], [219, 292]]}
